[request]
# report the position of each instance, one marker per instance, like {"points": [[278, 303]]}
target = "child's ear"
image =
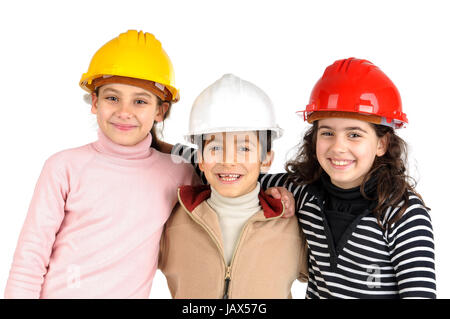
{"points": [[265, 165], [382, 145], [94, 103], [161, 110], [200, 160]]}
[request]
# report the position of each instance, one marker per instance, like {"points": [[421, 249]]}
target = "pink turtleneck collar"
{"points": [[139, 151]]}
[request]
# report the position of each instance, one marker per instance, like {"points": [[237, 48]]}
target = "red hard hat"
{"points": [[359, 88]]}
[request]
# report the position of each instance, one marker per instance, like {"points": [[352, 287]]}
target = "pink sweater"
{"points": [[95, 221]]}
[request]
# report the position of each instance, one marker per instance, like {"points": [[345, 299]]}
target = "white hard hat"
{"points": [[230, 105]]}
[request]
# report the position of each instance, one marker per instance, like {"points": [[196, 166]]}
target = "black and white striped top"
{"points": [[369, 262]]}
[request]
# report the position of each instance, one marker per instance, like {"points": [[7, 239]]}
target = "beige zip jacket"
{"points": [[270, 254]]}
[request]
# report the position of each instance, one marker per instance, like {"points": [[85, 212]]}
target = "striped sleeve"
{"points": [[280, 180], [411, 247], [190, 155], [272, 180]]}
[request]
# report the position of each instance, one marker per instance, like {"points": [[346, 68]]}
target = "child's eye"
{"points": [[215, 148], [112, 98], [326, 134], [354, 135], [141, 102]]}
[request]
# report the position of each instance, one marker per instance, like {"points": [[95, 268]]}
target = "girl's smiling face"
{"points": [[126, 113], [346, 149]]}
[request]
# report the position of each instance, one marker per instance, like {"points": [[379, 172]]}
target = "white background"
{"points": [[282, 46]]}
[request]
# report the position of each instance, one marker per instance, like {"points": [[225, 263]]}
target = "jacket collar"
{"points": [[192, 196]]}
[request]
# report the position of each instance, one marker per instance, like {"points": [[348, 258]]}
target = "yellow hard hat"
{"points": [[135, 55]]}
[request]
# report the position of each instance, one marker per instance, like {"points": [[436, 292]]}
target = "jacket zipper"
{"points": [[227, 267], [228, 272], [227, 282]]}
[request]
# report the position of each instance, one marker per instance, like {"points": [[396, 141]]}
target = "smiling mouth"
{"points": [[124, 127], [229, 177], [341, 163]]}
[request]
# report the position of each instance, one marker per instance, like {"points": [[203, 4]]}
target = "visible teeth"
{"points": [[340, 163], [229, 177]]}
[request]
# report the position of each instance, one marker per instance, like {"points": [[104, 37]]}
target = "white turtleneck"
{"points": [[233, 213]]}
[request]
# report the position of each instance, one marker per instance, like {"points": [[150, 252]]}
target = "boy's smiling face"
{"points": [[346, 149], [232, 163], [126, 113]]}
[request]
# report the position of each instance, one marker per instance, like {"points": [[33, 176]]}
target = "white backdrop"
{"points": [[282, 46]]}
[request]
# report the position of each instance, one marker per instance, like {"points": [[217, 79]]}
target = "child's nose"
{"points": [[124, 110], [339, 145], [229, 155]]}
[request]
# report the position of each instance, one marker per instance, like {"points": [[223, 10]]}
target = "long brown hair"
{"points": [[393, 182], [159, 131]]}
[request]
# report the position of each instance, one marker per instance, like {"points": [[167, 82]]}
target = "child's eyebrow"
{"points": [[143, 94], [118, 92], [240, 141], [351, 128], [355, 128], [110, 89]]}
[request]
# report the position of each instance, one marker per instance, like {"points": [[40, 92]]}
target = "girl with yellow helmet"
{"points": [[97, 213]]}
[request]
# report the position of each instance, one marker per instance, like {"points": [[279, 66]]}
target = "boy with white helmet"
{"points": [[227, 239]]}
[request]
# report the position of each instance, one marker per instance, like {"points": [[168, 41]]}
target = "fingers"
{"points": [[274, 192], [286, 197], [288, 207], [286, 202]]}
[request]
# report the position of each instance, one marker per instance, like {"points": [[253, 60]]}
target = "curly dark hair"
{"points": [[393, 183]]}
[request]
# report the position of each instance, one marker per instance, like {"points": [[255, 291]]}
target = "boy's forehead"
{"points": [[240, 136]]}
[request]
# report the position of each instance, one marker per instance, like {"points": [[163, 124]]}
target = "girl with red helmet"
{"points": [[368, 231]]}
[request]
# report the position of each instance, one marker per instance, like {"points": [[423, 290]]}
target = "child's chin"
{"points": [[344, 183], [227, 192]]}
